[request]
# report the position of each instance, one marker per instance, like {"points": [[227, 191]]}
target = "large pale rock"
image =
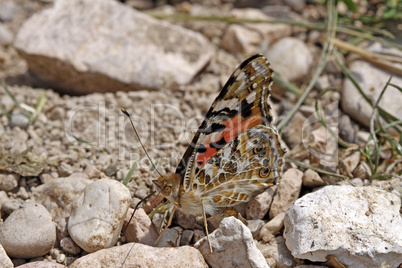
{"points": [[290, 57], [28, 232], [359, 226], [138, 255], [371, 80], [41, 264], [98, 214], [58, 194], [102, 45], [287, 192], [233, 246]]}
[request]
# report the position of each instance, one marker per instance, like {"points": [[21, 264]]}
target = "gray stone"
{"points": [[287, 192], [7, 10], [138, 255], [296, 5], [8, 181], [347, 130], [103, 204], [255, 226], [359, 226], [258, 206], [272, 227], [349, 162], [8, 206], [19, 119], [58, 194], [276, 250], [41, 264], [140, 229], [4, 259], [372, 80], [312, 179], [233, 246], [17, 235], [290, 57], [6, 37], [186, 237], [68, 246], [362, 171], [248, 38], [105, 54], [170, 238]]}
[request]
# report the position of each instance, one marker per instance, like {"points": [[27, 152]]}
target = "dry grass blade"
{"points": [[321, 171], [131, 171], [39, 107], [280, 80], [385, 115], [377, 59]]}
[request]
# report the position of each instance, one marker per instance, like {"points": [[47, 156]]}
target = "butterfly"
{"points": [[235, 153]]}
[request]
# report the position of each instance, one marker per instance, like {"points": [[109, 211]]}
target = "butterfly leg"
{"points": [[206, 226], [167, 225]]}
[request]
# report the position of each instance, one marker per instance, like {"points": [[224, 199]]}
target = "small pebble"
{"points": [[186, 237], [19, 120], [68, 246], [8, 181]]}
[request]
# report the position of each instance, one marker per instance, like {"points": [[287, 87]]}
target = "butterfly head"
{"points": [[169, 186]]}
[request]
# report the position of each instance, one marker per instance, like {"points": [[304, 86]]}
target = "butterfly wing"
{"points": [[240, 107], [249, 163]]}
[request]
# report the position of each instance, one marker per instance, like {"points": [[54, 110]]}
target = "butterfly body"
{"points": [[235, 153]]}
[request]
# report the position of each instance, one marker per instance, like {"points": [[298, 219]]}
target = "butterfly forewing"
{"points": [[241, 105]]}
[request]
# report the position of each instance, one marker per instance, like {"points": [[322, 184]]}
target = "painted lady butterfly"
{"points": [[235, 153]]}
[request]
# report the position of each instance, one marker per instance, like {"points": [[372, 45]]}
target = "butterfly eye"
{"points": [[167, 190], [266, 161], [264, 172]]}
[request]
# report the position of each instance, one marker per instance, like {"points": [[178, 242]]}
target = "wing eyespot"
{"points": [[262, 154], [266, 161], [264, 172], [259, 148]]}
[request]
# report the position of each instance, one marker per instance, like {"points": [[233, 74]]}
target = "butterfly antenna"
{"points": [[135, 209], [124, 111]]}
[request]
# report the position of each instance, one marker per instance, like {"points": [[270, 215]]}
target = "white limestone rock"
{"points": [[28, 232], [233, 246], [359, 226], [86, 46], [98, 214], [139, 255], [58, 194], [290, 57], [372, 80]]}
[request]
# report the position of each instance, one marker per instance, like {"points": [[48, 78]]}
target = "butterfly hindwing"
{"points": [[249, 163]]}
